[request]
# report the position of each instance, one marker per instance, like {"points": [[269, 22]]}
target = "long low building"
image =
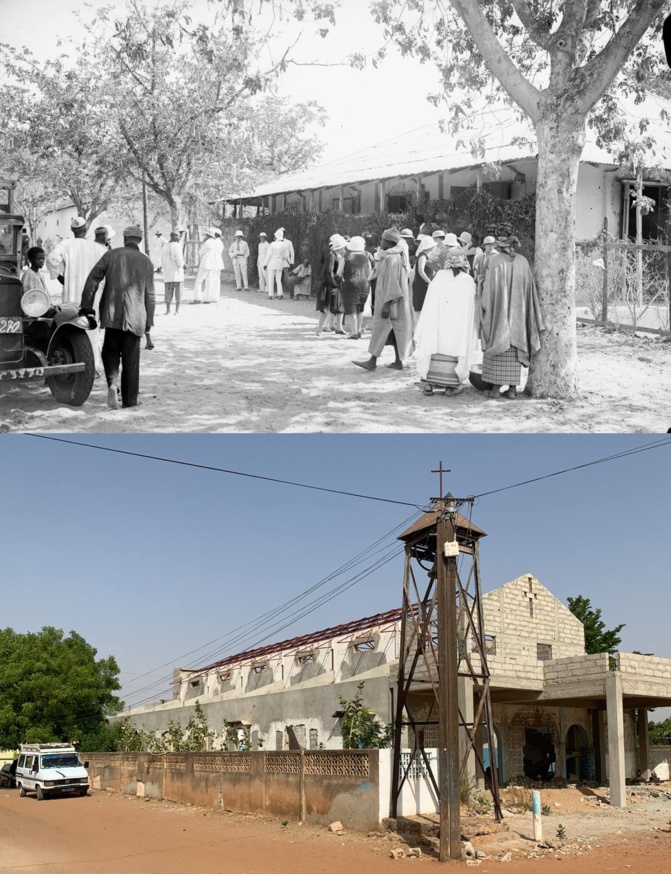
{"points": [[557, 711], [496, 152]]}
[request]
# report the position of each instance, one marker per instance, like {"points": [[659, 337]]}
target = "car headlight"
{"points": [[35, 303], [48, 782]]}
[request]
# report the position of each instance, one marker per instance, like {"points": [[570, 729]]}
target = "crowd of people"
{"points": [[466, 312]]}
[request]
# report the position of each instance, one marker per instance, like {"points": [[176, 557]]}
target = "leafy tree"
{"points": [[188, 103], [556, 62], [361, 729], [660, 732], [56, 134], [597, 638], [52, 687]]}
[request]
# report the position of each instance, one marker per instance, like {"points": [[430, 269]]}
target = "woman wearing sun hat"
{"points": [[356, 284], [392, 316]]}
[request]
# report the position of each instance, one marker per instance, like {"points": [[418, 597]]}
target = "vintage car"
{"points": [[39, 340]]}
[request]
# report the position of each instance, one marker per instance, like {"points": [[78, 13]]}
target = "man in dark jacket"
{"points": [[126, 313]]}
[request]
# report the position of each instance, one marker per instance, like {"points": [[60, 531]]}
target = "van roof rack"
{"points": [[47, 748]]}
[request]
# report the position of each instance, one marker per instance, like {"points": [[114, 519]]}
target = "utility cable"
{"points": [[270, 479], [656, 444]]}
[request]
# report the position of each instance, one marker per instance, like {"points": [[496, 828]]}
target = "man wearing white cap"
{"points": [[207, 287], [72, 261], [261, 259], [277, 258], [238, 252]]}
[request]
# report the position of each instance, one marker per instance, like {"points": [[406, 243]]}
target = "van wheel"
{"points": [[84, 792], [39, 793], [22, 791]]}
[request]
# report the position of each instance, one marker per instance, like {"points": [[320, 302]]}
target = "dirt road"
{"points": [[107, 832], [248, 364]]}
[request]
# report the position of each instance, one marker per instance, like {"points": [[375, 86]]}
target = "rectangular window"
{"points": [[314, 739], [543, 652], [225, 677], [260, 669], [490, 644], [364, 645], [279, 740], [195, 683], [305, 658]]}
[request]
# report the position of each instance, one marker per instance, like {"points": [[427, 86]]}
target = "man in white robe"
{"points": [[207, 287], [261, 259], [70, 262], [447, 321]]}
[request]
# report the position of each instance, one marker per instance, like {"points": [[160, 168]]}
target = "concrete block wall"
{"points": [[573, 669], [511, 724], [519, 627], [643, 667]]}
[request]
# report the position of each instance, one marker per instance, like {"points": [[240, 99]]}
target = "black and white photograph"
{"points": [[335, 366]]}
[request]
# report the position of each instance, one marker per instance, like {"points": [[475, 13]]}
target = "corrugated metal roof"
{"points": [[305, 640], [428, 150]]}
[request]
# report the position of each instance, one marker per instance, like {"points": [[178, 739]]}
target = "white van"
{"points": [[51, 769]]}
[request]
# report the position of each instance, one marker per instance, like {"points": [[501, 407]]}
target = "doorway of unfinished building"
{"points": [[540, 758], [577, 745]]}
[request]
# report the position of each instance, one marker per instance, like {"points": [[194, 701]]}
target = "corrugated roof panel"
{"points": [[427, 149]]}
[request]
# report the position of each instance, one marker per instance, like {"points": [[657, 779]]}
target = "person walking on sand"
{"points": [[261, 259], [277, 258], [356, 284], [207, 287], [446, 334], [392, 316], [172, 261], [126, 313], [239, 253], [510, 316]]}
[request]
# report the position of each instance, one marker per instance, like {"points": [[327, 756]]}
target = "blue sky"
{"points": [[150, 561]]}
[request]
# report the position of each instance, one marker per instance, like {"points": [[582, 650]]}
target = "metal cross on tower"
{"points": [[443, 696]]}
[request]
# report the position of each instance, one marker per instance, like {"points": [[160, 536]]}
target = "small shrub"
{"points": [[519, 798], [561, 832], [545, 810]]}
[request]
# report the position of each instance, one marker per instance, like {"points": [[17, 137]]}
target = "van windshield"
{"points": [[62, 760]]}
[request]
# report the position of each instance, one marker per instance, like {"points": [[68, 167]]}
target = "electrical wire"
{"points": [[270, 479], [656, 444], [258, 622]]}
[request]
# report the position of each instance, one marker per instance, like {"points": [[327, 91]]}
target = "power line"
{"points": [[214, 469], [656, 444]]}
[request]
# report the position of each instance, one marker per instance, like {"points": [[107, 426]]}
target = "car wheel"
{"points": [[84, 792], [39, 793], [72, 388], [22, 791]]}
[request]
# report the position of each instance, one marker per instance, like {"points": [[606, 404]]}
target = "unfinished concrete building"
{"points": [[556, 710]]}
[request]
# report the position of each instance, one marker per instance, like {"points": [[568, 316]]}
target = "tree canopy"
{"points": [[53, 688], [152, 94], [555, 62], [597, 637]]}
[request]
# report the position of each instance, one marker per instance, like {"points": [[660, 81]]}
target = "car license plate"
{"points": [[10, 326]]}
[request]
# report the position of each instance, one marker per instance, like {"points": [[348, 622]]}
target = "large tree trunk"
{"points": [[175, 203], [553, 370]]}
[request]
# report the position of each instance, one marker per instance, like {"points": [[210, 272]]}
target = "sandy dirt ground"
{"points": [[108, 832], [247, 364]]}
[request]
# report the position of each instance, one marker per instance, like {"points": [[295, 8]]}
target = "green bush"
{"points": [[309, 231]]}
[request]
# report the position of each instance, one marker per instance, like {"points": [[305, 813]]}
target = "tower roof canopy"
{"points": [[464, 526]]}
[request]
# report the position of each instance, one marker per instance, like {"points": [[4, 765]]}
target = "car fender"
{"points": [[77, 326]]}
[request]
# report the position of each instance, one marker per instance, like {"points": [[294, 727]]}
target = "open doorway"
{"points": [[577, 745], [540, 759]]}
